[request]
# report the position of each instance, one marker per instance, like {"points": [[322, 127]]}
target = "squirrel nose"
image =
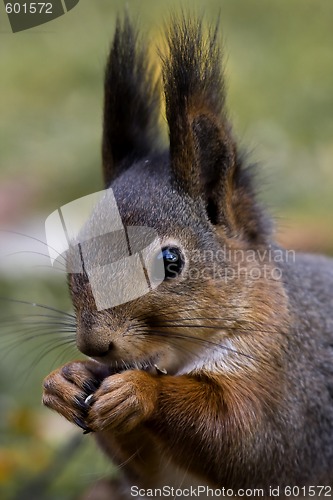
{"points": [[95, 351], [91, 339]]}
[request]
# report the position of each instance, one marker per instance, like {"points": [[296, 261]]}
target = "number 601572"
{"points": [[29, 8]]}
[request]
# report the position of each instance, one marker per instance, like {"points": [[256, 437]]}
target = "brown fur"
{"points": [[247, 399]]}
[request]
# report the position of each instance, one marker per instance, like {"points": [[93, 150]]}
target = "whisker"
{"points": [[197, 310], [17, 233], [143, 334], [33, 252], [41, 355], [60, 358], [205, 342], [13, 343], [218, 327], [243, 325], [214, 344], [24, 337], [19, 327], [51, 268], [35, 315], [36, 324], [35, 304]]}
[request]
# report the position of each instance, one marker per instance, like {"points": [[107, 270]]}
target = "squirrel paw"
{"points": [[123, 401], [66, 390]]}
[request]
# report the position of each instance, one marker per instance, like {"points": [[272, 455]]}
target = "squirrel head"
{"points": [[199, 197]]}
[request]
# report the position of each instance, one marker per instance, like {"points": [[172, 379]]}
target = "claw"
{"points": [[161, 371], [83, 426], [88, 399]]}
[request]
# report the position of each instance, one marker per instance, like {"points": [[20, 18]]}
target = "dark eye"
{"points": [[173, 261]]}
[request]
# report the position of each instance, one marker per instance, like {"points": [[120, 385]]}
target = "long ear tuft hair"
{"points": [[204, 158], [194, 87], [130, 103]]}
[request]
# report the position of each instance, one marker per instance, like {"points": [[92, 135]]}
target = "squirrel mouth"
{"points": [[149, 365]]}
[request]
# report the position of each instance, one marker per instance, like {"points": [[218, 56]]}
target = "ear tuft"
{"points": [[194, 87], [130, 103], [204, 160]]}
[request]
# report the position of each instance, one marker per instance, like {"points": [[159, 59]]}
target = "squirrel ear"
{"points": [[130, 103], [204, 159]]}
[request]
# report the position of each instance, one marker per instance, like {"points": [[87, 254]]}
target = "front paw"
{"points": [[66, 389], [123, 401]]}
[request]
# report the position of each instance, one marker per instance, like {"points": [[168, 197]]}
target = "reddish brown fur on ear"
{"points": [[204, 158]]}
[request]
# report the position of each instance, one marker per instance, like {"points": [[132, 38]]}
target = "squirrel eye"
{"points": [[173, 261]]}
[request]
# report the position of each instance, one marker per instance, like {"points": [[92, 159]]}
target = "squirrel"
{"points": [[222, 375]]}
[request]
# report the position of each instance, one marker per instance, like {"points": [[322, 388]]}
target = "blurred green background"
{"points": [[279, 71]]}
